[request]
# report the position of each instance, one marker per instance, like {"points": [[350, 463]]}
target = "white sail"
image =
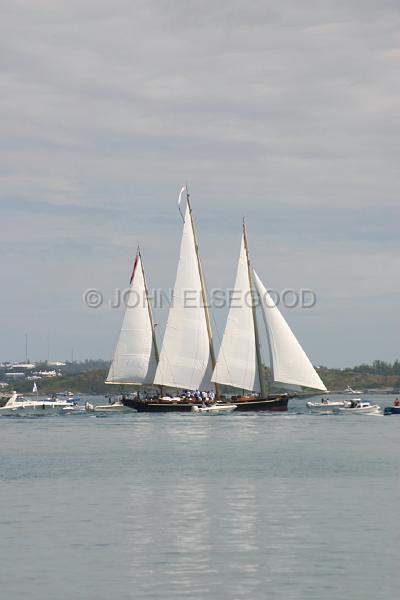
{"points": [[185, 353], [237, 360], [290, 364], [134, 358]]}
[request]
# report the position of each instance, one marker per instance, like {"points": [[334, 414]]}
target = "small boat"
{"points": [[18, 404], [14, 401], [214, 409], [392, 410], [359, 406], [325, 405], [349, 390], [74, 399], [115, 406]]}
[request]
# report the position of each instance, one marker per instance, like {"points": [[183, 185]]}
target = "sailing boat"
{"points": [[186, 359], [239, 362]]}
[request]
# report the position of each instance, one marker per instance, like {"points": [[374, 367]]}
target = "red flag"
{"points": [[134, 268]]}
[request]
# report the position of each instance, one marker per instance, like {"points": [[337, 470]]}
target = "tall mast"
{"points": [[257, 339], [153, 331], [203, 292]]}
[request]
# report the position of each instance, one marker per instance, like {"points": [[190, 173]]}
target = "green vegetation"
{"points": [[89, 382], [379, 367], [339, 379], [378, 375], [88, 377]]}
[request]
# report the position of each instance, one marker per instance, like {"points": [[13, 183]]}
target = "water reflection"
{"points": [[139, 506]]}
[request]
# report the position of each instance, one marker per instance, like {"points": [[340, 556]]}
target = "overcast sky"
{"points": [[284, 112]]}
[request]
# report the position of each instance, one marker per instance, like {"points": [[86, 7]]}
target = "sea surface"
{"points": [[241, 506]]}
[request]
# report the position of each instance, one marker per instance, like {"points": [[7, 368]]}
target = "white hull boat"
{"points": [[114, 407], [214, 409], [18, 404], [360, 407], [349, 390], [328, 406]]}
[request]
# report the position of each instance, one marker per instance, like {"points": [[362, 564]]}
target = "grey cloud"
{"points": [[286, 113]]}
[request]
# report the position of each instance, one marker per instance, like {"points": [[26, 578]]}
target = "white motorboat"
{"points": [[325, 405], [70, 395], [73, 400], [116, 406], [349, 390], [359, 406], [214, 409], [18, 404]]}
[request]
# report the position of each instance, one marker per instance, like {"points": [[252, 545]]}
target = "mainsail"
{"points": [[185, 357], [237, 358], [135, 357], [290, 364]]}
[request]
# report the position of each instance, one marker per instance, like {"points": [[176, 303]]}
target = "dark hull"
{"points": [[273, 404], [392, 410], [154, 406]]}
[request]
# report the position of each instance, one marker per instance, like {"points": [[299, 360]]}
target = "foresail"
{"points": [[134, 358], [290, 364], [185, 353], [236, 364]]}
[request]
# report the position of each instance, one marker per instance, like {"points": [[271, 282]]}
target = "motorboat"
{"points": [[214, 409], [359, 406], [74, 399], [325, 405], [115, 406], [349, 390], [15, 401], [19, 404], [394, 409]]}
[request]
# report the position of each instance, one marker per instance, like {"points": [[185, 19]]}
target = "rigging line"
{"points": [[256, 332], [149, 309], [220, 351], [203, 291]]}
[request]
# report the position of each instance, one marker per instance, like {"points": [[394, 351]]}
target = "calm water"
{"points": [[293, 506]]}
